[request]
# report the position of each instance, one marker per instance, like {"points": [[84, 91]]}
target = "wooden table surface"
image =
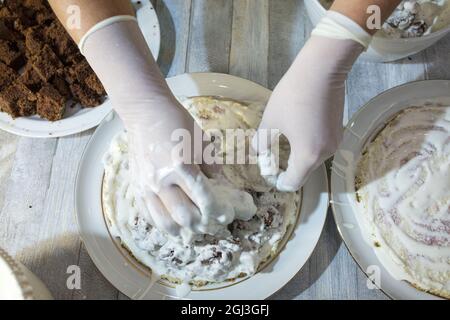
{"points": [[253, 39]]}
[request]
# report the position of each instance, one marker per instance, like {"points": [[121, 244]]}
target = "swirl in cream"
{"points": [[403, 183]]}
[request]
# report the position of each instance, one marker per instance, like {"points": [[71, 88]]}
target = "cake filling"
{"points": [[403, 188], [240, 247]]}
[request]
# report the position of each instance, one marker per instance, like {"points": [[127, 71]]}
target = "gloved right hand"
{"points": [[178, 197]]}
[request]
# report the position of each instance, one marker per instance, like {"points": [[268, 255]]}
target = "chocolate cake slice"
{"points": [[10, 54], [93, 83], [47, 64], [7, 75], [17, 100], [34, 40], [61, 85], [61, 42], [30, 78], [50, 103], [85, 96]]}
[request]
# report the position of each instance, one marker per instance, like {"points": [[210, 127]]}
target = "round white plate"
{"points": [[77, 119], [124, 275], [365, 124]]}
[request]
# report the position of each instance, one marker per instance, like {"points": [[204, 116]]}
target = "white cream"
{"points": [[242, 245], [405, 197]]}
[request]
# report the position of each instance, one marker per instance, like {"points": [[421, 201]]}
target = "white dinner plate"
{"points": [[77, 119], [131, 280], [364, 125]]}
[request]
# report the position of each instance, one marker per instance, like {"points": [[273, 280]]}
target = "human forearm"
{"points": [[117, 52], [91, 13], [357, 10]]}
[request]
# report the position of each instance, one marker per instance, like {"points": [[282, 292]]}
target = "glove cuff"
{"points": [[338, 26], [101, 25]]}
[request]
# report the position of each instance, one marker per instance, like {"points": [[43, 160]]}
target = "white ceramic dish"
{"points": [[383, 49], [77, 119], [123, 273], [364, 125], [18, 283]]}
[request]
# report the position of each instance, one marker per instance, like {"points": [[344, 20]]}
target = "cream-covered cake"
{"points": [[241, 248], [413, 18], [403, 191]]}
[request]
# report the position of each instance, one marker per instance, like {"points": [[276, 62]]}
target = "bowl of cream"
{"points": [[414, 26]]}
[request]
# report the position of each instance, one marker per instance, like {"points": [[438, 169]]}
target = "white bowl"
{"points": [[366, 123], [126, 275], [18, 283], [383, 49]]}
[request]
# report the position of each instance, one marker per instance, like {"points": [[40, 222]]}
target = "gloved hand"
{"points": [[307, 105], [178, 197]]}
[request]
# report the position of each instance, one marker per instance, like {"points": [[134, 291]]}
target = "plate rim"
{"points": [[334, 177], [87, 120], [322, 198]]}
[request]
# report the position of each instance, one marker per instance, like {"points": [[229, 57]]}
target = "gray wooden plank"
{"points": [[250, 40], [289, 28], [174, 17], [369, 79], [438, 60], [8, 146], [23, 208], [38, 223], [210, 36], [62, 220], [93, 284]]}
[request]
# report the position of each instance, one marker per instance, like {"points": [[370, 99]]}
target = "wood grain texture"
{"points": [[289, 28], [254, 39], [250, 40], [210, 36], [174, 18], [8, 146]]}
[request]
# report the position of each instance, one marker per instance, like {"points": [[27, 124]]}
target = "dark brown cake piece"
{"points": [[7, 75], [61, 85], [30, 78], [78, 72], [5, 12], [34, 40], [17, 100], [85, 96], [45, 17], [55, 31], [13, 5], [8, 29], [50, 103], [36, 5], [60, 40], [47, 64], [10, 54], [93, 83], [24, 15]]}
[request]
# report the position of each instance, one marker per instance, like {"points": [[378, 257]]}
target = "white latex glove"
{"points": [[177, 196], [307, 105]]}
